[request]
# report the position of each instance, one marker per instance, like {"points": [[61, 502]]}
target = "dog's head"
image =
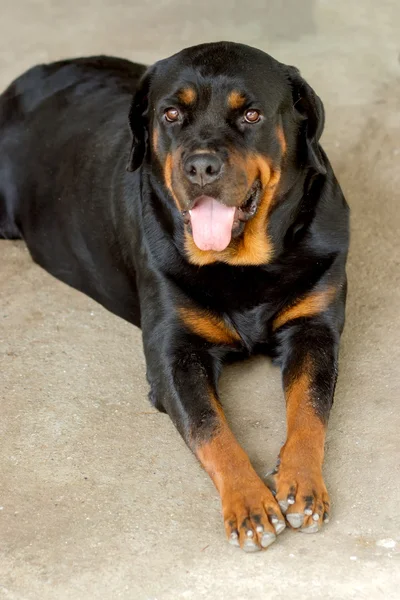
{"points": [[223, 125]]}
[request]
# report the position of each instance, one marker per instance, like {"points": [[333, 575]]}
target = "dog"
{"points": [[193, 199]]}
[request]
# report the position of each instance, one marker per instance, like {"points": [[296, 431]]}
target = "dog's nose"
{"points": [[202, 168]]}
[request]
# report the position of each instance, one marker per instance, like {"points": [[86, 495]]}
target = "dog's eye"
{"points": [[171, 114], [252, 116]]}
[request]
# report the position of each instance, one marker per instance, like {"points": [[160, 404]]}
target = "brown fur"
{"points": [[311, 305], [168, 168], [187, 95], [209, 326], [236, 100], [282, 140], [155, 140]]}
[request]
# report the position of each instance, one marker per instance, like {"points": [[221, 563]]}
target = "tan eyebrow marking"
{"points": [[187, 95], [236, 100]]}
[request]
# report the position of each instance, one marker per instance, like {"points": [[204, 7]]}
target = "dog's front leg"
{"points": [[183, 374], [309, 352]]}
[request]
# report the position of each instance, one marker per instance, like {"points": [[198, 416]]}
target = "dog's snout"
{"points": [[202, 168]]}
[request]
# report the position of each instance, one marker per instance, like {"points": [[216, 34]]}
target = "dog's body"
{"points": [[228, 234]]}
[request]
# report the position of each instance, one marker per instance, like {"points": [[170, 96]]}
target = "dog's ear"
{"points": [[309, 107], [138, 121]]}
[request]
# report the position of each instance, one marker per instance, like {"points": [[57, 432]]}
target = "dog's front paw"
{"points": [[252, 516], [302, 495]]}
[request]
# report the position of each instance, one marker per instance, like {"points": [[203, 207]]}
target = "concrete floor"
{"points": [[99, 497]]}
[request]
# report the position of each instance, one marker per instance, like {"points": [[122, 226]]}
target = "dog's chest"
{"points": [[234, 308], [253, 324]]}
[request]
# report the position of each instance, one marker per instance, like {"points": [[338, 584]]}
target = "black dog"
{"points": [[226, 235]]}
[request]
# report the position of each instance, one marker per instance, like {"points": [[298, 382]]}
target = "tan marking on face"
{"points": [[236, 100], [311, 305], [282, 140], [155, 139], [254, 246], [187, 95], [168, 172], [209, 326], [168, 167]]}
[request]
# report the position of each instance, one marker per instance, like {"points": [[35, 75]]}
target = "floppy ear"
{"points": [[138, 121], [308, 105]]}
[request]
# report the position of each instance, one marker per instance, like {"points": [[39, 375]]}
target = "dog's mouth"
{"points": [[213, 224]]}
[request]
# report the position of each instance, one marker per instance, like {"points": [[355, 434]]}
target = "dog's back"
{"points": [[36, 96]]}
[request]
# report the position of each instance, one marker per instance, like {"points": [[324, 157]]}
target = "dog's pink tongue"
{"points": [[211, 224]]}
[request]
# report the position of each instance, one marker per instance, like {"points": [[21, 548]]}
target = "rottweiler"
{"points": [[193, 199]]}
